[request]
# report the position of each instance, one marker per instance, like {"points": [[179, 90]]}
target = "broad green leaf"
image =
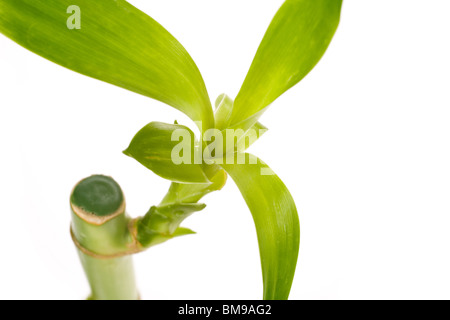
{"points": [[116, 43], [276, 221], [163, 223], [169, 151], [293, 44]]}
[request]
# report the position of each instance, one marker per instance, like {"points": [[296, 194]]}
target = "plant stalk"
{"points": [[101, 233]]}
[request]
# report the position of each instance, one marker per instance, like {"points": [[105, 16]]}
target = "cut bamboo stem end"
{"points": [[100, 230], [93, 218]]}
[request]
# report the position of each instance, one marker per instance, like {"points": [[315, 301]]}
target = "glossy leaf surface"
{"points": [[116, 43], [293, 44], [276, 221]]}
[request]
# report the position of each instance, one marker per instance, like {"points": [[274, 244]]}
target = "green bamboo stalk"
{"points": [[104, 241]]}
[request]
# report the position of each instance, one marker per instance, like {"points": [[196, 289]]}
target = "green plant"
{"points": [[118, 44]]}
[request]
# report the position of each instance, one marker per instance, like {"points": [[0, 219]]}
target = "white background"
{"points": [[362, 143]]}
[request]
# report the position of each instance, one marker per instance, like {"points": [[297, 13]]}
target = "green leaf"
{"points": [[293, 44], [117, 43], [250, 137], [224, 107], [183, 232], [276, 221], [156, 146]]}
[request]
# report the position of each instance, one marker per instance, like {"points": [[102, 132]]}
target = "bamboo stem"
{"points": [[100, 228]]}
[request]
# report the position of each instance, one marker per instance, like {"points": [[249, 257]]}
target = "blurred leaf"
{"points": [[293, 44], [155, 148], [182, 232], [276, 221], [117, 43]]}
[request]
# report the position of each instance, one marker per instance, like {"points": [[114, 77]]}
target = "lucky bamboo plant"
{"points": [[113, 41]]}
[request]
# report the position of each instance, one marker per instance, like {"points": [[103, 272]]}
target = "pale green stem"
{"points": [[100, 230]]}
